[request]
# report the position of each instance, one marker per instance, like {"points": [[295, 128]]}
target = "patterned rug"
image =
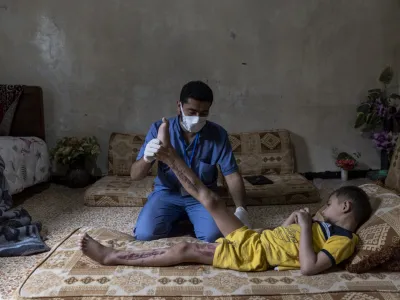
{"points": [[67, 273], [62, 211], [65, 270]]}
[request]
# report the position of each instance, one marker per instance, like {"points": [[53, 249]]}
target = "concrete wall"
{"points": [[109, 65]]}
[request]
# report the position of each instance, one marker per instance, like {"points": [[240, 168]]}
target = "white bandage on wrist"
{"points": [[243, 216]]}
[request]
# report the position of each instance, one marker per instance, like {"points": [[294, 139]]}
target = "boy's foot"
{"points": [[96, 251], [163, 133]]}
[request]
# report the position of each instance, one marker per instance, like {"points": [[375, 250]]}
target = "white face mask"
{"points": [[192, 123]]}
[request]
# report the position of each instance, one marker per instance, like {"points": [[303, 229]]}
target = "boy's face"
{"points": [[334, 209]]}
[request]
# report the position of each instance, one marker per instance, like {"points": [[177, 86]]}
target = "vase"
{"points": [[344, 174], [78, 176], [384, 160]]}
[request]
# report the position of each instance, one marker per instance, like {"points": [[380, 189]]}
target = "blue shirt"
{"points": [[213, 148]]}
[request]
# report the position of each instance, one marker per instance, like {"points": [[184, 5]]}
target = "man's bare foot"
{"points": [[96, 251]]}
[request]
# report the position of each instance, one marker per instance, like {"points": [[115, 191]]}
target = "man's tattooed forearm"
{"points": [[141, 255], [180, 173]]}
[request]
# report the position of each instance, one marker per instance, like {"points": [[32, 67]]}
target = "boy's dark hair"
{"points": [[361, 206], [197, 90]]}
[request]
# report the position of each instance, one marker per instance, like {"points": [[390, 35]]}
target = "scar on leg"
{"points": [[205, 249]]}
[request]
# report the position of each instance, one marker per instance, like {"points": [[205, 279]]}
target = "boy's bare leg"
{"points": [[163, 257], [225, 220]]}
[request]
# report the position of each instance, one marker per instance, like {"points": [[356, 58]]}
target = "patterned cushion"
{"points": [[266, 152], [382, 229], [119, 191], [263, 152], [122, 191], [122, 152], [67, 274], [392, 180], [286, 189]]}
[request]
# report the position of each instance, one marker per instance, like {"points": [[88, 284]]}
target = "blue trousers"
{"points": [[164, 209]]}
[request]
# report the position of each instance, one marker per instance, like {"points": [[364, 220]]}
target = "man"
{"points": [[202, 145]]}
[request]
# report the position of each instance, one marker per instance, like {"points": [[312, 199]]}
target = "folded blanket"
{"points": [[18, 234]]}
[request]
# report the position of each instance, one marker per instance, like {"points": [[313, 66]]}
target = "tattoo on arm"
{"points": [[141, 255]]}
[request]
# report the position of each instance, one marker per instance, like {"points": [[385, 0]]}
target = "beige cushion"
{"points": [[122, 152], [263, 152], [383, 227], [392, 180], [119, 191], [286, 189], [122, 191]]}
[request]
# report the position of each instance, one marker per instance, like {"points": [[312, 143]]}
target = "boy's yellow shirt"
{"points": [[246, 250], [282, 244]]}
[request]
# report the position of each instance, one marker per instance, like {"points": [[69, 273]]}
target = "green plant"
{"points": [[380, 111], [71, 150]]}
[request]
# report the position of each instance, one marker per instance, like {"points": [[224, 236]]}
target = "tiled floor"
{"points": [[61, 210]]}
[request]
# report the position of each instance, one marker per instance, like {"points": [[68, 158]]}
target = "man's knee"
{"points": [[146, 232], [145, 235]]}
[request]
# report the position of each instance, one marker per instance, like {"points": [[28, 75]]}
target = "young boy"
{"points": [[299, 243]]}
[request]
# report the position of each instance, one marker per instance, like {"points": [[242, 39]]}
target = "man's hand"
{"points": [[151, 150], [303, 217], [243, 216]]}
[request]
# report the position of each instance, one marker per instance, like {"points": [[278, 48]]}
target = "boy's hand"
{"points": [[293, 217], [303, 217]]}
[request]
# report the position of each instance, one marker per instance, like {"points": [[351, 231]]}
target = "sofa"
{"points": [[268, 153]]}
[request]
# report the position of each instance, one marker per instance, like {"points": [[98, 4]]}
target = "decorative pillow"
{"points": [[387, 259], [122, 152], [6, 122], [392, 180], [9, 98], [380, 232]]}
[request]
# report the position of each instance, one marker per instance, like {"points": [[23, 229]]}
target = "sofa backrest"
{"points": [[123, 149], [264, 152]]}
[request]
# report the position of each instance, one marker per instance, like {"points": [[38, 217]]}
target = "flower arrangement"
{"points": [[73, 150], [379, 116], [385, 141], [344, 160]]}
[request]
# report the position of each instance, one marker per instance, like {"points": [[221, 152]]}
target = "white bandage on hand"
{"points": [[151, 150], [243, 216]]}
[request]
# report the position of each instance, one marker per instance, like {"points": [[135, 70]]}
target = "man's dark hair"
{"points": [[361, 206], [197, 90]]}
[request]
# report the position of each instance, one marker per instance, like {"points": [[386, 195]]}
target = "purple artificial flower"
{"points": [[381, 109], [385, 141]]}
